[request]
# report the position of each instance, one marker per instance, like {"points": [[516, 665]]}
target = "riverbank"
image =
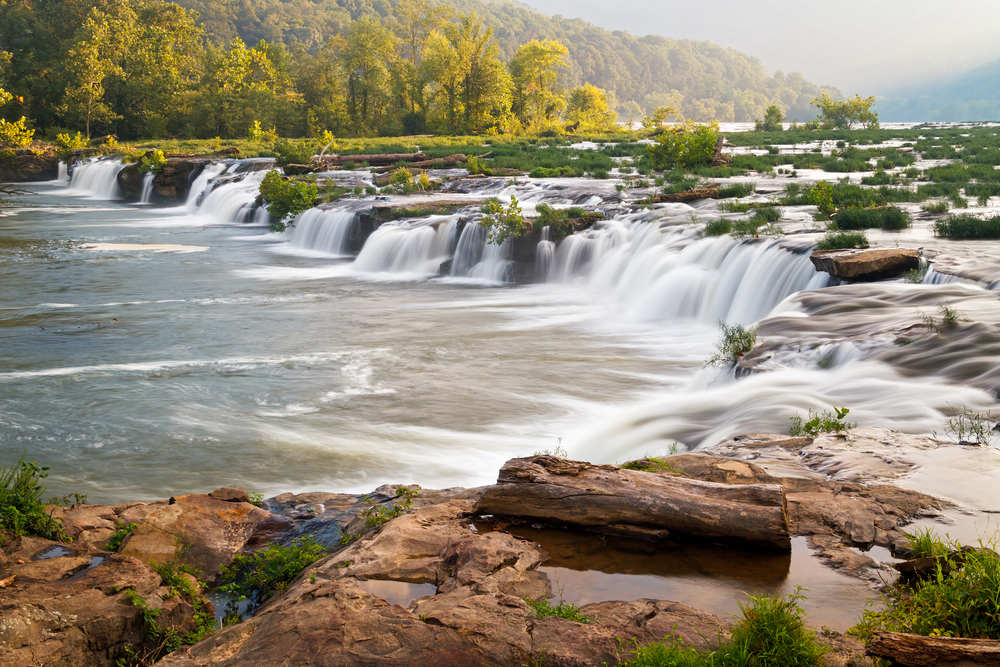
{"points": [[441, 577]]}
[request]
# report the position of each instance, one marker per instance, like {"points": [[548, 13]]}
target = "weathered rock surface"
{"points": [[476, 617], [636, 503], [72, 610], [27, 166], [917, 651], [864, 265], [197, 530]]}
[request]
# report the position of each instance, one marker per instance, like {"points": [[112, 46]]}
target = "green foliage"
{"points": [[294, 152], [734, 342], [886, 217], [22, 511], [686, 145], [821, 422], [544, 609], [969, 426], [771, 633], [737, 190], [915, 276], [502, 223], [756, 225], [935, 207], [152, 161], [257, 499], [68, 142], [925, 544], [962, 600], [15, 133], [841, 240], [122, 530], [558, 219], [268, 571], [285, 198], [844, 114], [821, 196], [377, 516], [588, 105], [968, 227], [772, 122], [647, 463], [173, 576]]}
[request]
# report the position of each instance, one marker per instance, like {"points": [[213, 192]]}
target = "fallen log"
{"points": [[378, 159], [707, 192], [917, 651], [609, 499]]}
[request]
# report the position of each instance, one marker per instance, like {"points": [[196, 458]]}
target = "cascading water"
{"points": [[233, 201], [478, 259], [545, 255], [409, 247], [97, 177], [661, 272], [202, 185], [63, 176], [324, 230], [147, 187]]}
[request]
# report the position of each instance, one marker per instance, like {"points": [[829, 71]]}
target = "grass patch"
{"points": [[737, 190], [544, 609], [886, 217], [925, 544], [22, 511], [820, 422], [649, 463], [771, 632], [968, 227], [842, 240], [377, 516], [937, 207], [122, 531]]}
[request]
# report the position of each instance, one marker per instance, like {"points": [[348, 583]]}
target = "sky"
{"points": [[871, 47]]}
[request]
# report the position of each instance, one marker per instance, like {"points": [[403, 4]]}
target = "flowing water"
{"points": [[149, 351]]}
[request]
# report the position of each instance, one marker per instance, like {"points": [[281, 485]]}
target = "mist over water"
{"points": [[274, 362]]}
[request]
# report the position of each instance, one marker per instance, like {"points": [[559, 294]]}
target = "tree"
{"points": [[772, 122], [686, 145], [657, 119], [416, 20], [534, 70], [367, 61], [95, 56], [588, 105], [843, 114]]}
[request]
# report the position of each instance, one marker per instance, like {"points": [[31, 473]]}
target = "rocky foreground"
{"points": [[76, 604]]}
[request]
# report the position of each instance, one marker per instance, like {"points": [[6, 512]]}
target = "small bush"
{"points": [[544, 609], [935, 207], [22, 511], [718, 227], [734, 207], [15, 133], [841, 240], [122, 531], [821, 422], [734, 342], [737, 190], [968, 227], [379, 515], [766, 213], [152, 161], [886, 217], [294, 152], [502, 223], [285, 198]]}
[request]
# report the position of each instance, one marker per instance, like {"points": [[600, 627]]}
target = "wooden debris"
{"points": [[918, 651]]}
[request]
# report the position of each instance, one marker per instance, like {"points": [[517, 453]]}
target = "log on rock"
{"points": [[918, 651], [607, 498], [375, 159], [707, 192]]}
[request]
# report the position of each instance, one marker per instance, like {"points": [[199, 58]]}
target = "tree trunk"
{"points": [[645, 505], [375, 159], [918, 651]]}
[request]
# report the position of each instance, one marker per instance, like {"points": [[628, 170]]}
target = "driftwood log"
{"points": [[707, 192], [374, 159], [918, 651], [631, 503]]}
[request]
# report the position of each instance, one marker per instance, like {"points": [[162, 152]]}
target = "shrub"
{"points": [[821, 422], [22, 511], [935, 207], [15, 134], [122, 530], [285, 198], [734, 342], [68, 142], [737, 190], [886, 217], [502, 223], [821, 196], [718, 227], [968, 227], [268, 571], [685, 145], [766, 213], [379, 515], [152, 161], [291, 152], [841, 240]]}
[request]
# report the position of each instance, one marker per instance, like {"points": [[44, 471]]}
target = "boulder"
{"points": [[29, 165], [197, 530], [231, 495], [73, 610], [866, 264]]}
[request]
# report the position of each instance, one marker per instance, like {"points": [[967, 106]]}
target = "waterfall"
{"points": [[476, 258], [324, 230], [97, 177], [545, 255], [201, 184], [660, 272], [228, 201], [419, 247], [63, 176], [147, 186]]}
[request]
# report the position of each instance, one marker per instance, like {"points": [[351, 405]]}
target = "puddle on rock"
{"points": [[584, 568], [54, 552], [396, 592], [94, 562]]}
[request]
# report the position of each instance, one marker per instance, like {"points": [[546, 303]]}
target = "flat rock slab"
{"points": [[864, 265]]}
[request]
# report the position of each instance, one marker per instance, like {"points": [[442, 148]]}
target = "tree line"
{"points": [[156, 68]]}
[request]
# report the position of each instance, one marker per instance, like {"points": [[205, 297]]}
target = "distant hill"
{"points": [[704, 80], [974, 95]]}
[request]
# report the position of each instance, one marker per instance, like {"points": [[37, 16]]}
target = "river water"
{"points": [[146, 352]]}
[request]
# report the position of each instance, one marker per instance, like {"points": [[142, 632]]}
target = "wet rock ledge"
{"points": [[444, 584]]}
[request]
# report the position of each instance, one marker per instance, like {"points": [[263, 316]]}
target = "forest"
{"points": [[152, 68]]}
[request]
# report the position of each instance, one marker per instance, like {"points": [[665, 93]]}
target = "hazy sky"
{"points": [[860, 46]]}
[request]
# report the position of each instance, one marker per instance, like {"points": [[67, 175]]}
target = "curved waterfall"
{"points": [[419, 247], [660, 272], [97, 177], [478, 259], [324, 230], [147, 187], [233, 201]]}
